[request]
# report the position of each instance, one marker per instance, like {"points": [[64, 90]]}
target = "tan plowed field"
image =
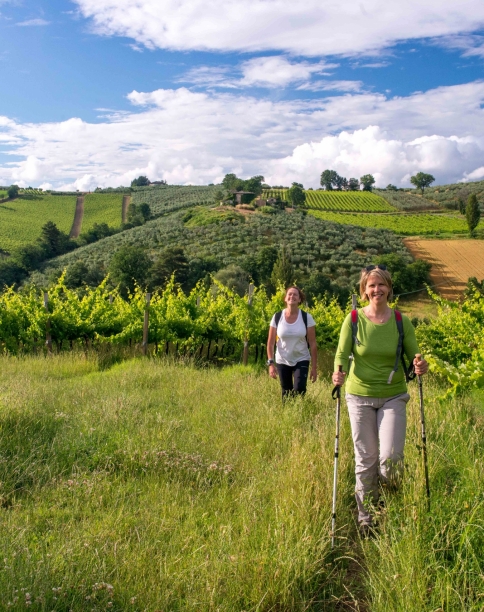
{"points": [[453, 262]]}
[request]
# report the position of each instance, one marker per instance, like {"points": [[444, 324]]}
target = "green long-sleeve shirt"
{"points": [[374, 357]]}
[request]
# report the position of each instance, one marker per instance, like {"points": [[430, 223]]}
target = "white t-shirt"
{"points": [[291, 345]]}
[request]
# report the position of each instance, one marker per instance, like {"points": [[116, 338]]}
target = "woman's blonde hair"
{"points": [[384, 275], [302, 297]]}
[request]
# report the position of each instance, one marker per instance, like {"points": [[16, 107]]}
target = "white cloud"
{"points": [[33, 22], [310, 28], [332, 86], [277, 71], [390, 160], [471, 45], [191, 137], [270, 72]]}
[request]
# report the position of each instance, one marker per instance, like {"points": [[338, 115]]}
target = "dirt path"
{"points": [[78, 215], [126, 203], [453, 262]]}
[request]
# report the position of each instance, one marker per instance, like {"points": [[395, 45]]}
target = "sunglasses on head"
{"points": [[379, 266]]}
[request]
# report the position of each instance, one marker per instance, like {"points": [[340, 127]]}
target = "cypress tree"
{"points": [[473, 213], [283, 271]]}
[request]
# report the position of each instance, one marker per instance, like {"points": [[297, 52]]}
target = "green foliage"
{"points": [[200, 216], [337, 251], [421, 180], [283, 272], [97, 232], [449, 194], [163, 199], [21, 220], [296, 195], [361, 201], [235, 278], [130, 266], [461, 205], [102, 208], [138, 214], [391, 187], [232, 183], [473, 213], [454, 341], [329, 179], [12, 191], [267, 210], [141, 181], [53, 241], [367, 180], [403, 200], [170, 262], [406, 277], [405, 224]]}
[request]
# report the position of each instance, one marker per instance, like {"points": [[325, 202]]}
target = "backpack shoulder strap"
{"points": [[304, 315], [305, 318], [277, 317], [354, 327], [399, 356]]}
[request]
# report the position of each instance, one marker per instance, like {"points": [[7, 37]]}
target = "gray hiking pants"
{"points": [[378, 428]]}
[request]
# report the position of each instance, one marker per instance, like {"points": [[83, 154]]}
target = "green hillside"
{"points": [[21, 219], [168, 198], [337, 250], [102, 208], [404, 200], [404, 224], [349, 201], [447, 195]]}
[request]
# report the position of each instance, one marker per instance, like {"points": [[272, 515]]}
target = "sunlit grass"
{"points": [[160, 486]]}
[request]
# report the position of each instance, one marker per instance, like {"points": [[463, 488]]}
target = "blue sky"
{"points": [[97, 92]]}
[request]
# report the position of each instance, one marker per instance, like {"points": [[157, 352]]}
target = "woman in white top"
{"points": [[292, 339]]}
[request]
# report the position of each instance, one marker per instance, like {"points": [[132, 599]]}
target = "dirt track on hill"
{"points": [[453, 262], [78, 215], [126, 203]]}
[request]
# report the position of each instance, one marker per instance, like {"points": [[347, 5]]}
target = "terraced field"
{"points": [[404, 224], [21, 219], [346, 201]]}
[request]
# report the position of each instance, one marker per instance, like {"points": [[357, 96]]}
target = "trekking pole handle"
{"points": [[336, 393]]}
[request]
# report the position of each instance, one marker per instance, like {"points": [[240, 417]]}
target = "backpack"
{"points": [[409, 372], [304, 314]]}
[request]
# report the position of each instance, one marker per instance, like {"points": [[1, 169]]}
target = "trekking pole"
{"points": [[336, 394], [424, 440]]}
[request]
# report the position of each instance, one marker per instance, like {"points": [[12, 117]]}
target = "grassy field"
{"points": [[102, 208], [404, 224], [148, 485], [21, 219]]}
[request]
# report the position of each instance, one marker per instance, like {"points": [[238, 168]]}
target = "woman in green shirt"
{"points": [[376, 390]]}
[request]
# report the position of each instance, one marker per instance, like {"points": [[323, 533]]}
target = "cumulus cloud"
{"points": [[312, 28], [390, 160], [197, 137]]}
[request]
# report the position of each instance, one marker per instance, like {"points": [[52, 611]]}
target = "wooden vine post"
{"points": [[48, 337], [146, 324], [246, 341]]}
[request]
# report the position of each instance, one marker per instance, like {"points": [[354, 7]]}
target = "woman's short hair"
{"points": [[383, 274], [302, 297]]}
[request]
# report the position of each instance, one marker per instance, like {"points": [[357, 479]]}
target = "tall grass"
{"points": [[160, 486]]}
